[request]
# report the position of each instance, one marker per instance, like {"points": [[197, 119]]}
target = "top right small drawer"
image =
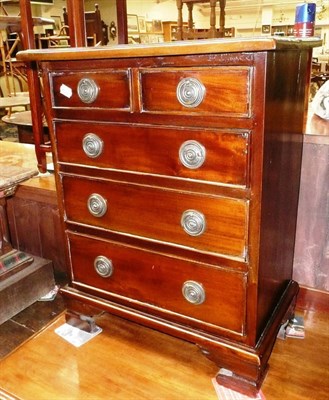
{"points": [[208, 91]]}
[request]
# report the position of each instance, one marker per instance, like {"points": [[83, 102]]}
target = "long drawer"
{"points": [[209, 224], [198, 293], [216, 156]]}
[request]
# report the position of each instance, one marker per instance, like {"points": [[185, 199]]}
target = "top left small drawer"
{"points": [[108, 89]]}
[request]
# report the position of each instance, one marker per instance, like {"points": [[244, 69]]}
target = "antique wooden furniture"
{"points": [[177, 169], [23, 278], [33, 215], [191, 32], [23, 121], [13, 101], [170, 30], [77, 28], [95, 28]]}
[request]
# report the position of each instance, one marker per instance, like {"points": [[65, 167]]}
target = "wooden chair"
{"points": [[62, 39], [12, 85], [191, 32]]}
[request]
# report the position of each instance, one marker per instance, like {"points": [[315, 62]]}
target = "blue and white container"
{"points": [[305, 20]]}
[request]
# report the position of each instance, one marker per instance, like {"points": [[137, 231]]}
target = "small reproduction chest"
{"points": [[177, 169]]}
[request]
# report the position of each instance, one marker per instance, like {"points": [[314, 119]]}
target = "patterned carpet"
{"points": [[8, 132]]}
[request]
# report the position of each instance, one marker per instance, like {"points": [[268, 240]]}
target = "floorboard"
{"points": [[127, 361]]}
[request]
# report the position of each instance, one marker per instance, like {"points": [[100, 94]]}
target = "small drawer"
{"points": [[108, 89], [167, 286], [206, 155], [203, 91], [199, 222]]}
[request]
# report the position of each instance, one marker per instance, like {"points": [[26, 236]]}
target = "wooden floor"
{"points": [[127, 361]]}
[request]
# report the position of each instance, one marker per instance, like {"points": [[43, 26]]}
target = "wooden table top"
{"points": [[17, 164], [23, 118], [21, 155], [13, 101]]}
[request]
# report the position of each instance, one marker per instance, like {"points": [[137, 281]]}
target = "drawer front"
{"points": [[206, 155], [209, 91], [211, 295], [210, 224], [108, 89]]}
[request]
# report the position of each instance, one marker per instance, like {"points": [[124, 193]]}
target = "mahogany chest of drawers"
{"points": [[177, 170]]}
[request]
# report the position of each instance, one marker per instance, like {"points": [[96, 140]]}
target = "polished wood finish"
{"points": [[233, 45], [226, 163], [313, 300], [298, 367], [226, 218], [246, 251]]}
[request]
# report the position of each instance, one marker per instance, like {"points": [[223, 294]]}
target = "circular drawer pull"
{"points": [[192, 154], [190, 92], [97, 205], [194, 292], [193, 222], [103, 266], [92, 145], [87, 90]]}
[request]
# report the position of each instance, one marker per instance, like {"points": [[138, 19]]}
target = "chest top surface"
{"points": [[206, 46]]}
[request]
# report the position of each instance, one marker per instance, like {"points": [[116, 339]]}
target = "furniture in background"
{"points": [[76, 17], [96, 29], [192, 32], [23, 278], [179, 194], [8, 103], [23, 121], [12, 84], [33, 215], [311, 262], [170, 30], [77, 30]]}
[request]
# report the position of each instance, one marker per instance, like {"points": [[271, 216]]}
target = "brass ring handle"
{"points": [[190, 92], [103, 266], [194, 292], [87, 90], [192, 154], [97, 205], [193, 222], [92, 145]]}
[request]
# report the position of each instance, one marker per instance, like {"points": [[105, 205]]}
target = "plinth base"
{"points": [[25, 287]]}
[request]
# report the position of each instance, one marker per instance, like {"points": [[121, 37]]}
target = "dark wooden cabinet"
{"points": [[177, 170]]}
